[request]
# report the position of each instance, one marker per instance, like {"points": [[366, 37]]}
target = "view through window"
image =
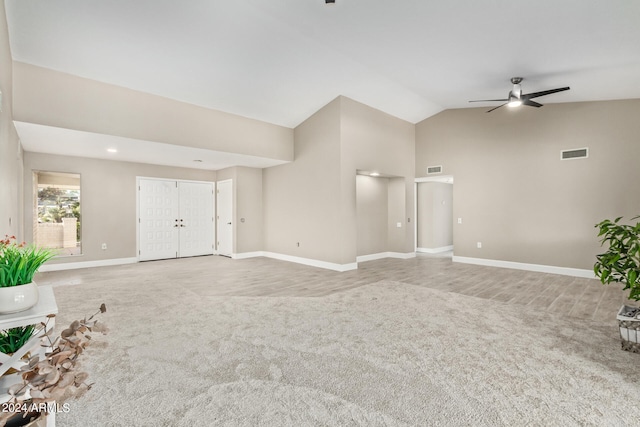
{"points": [[57, 212]]}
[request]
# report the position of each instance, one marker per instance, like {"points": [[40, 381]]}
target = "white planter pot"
{"points": [[18, 298], [629, 329]]}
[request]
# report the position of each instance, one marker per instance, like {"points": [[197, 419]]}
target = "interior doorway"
{"points": [[434, 215], [381, 216]]}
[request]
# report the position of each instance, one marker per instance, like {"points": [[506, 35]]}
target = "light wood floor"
{"points": [[263, 277]]}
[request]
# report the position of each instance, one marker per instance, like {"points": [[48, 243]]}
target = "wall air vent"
{"points": [[434, 169], [577, 153]]}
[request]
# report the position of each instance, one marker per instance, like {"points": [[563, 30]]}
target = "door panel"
{"points": [[158, 214], [225, 217], [196, 218]]}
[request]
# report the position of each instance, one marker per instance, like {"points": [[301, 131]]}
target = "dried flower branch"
{"points": [[56, 377]]}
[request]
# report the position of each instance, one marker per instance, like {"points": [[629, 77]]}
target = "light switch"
{"points": [[399, 224], [459, 220]]}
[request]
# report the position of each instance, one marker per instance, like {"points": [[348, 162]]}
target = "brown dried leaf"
{"points": [[103, 308], [15, 389], [53, 377], [33, 361], [38, 381], [63, 355], [81, 377], [74, 325], [66, 380], [56, 394], [36, 394], [101, 327]]}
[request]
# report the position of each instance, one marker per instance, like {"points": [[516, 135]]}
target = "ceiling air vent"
{"points": [[434, 169], [578, 153]]}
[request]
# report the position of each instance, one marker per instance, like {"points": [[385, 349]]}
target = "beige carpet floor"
{"points": [[384, 354]]}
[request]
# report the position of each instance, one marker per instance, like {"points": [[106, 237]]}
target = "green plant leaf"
{"points": [[621, 262]]}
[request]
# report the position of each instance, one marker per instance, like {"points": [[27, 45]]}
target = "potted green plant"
{"points": [[13, 339], [16, 345], [19, 262], [621, 263]]}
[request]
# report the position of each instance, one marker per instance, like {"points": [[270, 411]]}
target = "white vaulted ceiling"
{"points": [[281, 60]]}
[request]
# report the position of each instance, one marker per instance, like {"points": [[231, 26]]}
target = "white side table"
{"points": [[34, 316]]}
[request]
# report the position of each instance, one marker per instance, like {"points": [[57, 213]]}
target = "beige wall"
{"points": [[108, 200], [247, 225], [375, 141], [302, 199], [435, 215], [52, 98], [313, 199], [11, 183], [514, 193]]}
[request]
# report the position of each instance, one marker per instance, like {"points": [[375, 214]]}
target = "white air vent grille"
{"points": [[434, 169], [576, 153]]}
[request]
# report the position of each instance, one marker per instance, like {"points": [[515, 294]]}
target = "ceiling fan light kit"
{"points": [[516, 98]]}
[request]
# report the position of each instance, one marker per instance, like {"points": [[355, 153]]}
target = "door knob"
{"points": [[228, 223]]}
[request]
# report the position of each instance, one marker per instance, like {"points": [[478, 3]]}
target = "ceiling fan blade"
{"points": [[490, 100], [531, 103], [543, 93], [495, 108]]}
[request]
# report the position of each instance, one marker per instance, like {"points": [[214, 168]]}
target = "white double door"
{"points": [[176, 219]]}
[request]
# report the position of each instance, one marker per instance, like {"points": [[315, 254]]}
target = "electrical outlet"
{"points": [[479, 245], [104, 246], [459, 220]]}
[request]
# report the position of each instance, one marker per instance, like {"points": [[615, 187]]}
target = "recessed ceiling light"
{"points": [[375, 174], [112, 150]]}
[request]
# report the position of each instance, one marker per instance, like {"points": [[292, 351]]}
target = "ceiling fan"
{"points": [[517, 98]]}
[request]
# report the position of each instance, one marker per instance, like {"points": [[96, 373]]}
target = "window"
{"points": [[57, 212]]}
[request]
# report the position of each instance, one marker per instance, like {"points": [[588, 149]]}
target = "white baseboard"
{"points": [[312, 262], [371, 257], [565, 271], [87, 264], [435, 250], [401, 255], [381, 255], [245, 255]]}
